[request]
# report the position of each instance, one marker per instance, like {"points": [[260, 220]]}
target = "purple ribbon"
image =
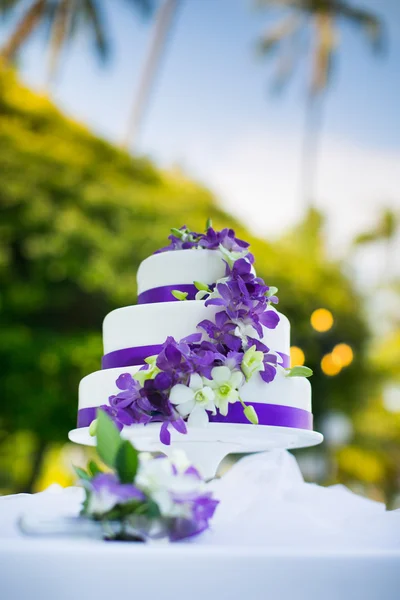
{"points": [[164, 293], [268, 414], [285, 360], [129, 357], [86, 416]]}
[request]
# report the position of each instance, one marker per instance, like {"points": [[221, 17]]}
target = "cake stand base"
{"points": [[207, 447]]}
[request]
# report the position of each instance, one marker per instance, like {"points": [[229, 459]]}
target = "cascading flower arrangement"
{"points": [[193, 379], [143, 497]]}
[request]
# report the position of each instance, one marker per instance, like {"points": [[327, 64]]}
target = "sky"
{"points": [[212, 112]]}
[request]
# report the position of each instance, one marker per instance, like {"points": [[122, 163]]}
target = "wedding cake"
{"points": [[204, 350]]}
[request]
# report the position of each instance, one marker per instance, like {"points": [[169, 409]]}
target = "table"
{"points": [[74, 570]]}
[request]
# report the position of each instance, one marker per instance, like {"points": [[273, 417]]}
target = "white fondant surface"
{"points": [[148, 324], [96, 388], [180, 266]]}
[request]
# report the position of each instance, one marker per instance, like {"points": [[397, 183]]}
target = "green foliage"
{"points": [[82, 474], [299, 372], [179, 295], [108, 439], [94, 468], [126, 462]]}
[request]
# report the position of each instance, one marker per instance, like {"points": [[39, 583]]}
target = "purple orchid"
{"points": [[106, 492], [178, 424], [210, 240], [174, 358], [222, 331], [233, 360], [201, 509], [120, 416], [213, 239], [129, 406]]}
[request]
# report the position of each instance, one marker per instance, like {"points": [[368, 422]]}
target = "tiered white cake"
{"points": [[131, 333]]}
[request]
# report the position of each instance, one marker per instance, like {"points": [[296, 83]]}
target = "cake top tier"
{"points": [[189, 258]]}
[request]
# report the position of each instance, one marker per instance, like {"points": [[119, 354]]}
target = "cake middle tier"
{"points": [[151, 324]]}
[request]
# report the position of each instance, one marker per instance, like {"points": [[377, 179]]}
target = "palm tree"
{"points": [[318, 22], [63, 18], [162, 27]]}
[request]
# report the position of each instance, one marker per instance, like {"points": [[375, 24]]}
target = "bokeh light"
{"points": [[297, 357], [343, 354], [321, 319], [330, 366]]}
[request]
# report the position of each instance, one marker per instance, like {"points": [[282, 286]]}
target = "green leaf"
{"points": [[251, 415], [299, 372], [177, 232], [179, 295], [93, 428], [108, 439], [201, 286], [94, 468], [81, 473], [208, 224], [126, 462], [151, 510]]}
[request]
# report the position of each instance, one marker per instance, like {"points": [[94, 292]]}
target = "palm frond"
{"points": [[275, 35], [25, 26], [300, 4], [369, 22], [60, 25], [92, 13], [146, 7], [7, 5]]}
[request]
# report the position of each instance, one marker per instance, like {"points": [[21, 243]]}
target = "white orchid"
{"points": [[244, 328], [193, 400], [252, 362], [164, 479], [225, 384]]}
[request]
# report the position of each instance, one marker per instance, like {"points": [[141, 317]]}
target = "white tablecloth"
{"points": [[273, 537]]}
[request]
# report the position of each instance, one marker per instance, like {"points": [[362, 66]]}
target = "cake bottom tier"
{"points": [[293, 392]]}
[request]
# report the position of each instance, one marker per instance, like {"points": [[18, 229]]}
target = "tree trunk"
{"points": [[162, 28], [310, 150], [23, 30], [37, 462], [59, 32]]}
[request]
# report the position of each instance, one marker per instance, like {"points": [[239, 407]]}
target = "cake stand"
{"points": [[206, 447]]}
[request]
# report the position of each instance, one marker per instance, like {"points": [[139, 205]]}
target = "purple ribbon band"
{"points": [[86, 416], [129, 357], [285, 360], [164, 293], [268, 414]]}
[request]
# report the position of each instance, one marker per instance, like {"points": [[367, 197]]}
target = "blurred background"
{"points": [[279, 118]]}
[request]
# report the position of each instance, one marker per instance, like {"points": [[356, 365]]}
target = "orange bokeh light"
{"points": [[343, 354], [330, 366], [321, 319], [297, 357]]}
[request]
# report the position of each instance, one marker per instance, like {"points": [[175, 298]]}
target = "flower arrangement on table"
{"points": [[143, 497], [193, 379]]}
